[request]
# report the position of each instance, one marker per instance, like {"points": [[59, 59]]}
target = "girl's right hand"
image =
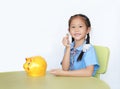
{"points": [[66, 41]]}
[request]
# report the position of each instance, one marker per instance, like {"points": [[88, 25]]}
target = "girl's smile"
{"points": [[77, 34]]}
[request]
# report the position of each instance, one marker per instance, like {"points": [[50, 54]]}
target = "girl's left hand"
{"points": [[57, 72]]}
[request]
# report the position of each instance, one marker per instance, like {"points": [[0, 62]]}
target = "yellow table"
{"points": [[20, 80]]}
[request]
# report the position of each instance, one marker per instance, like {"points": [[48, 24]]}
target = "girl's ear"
{"points": [[88, 30], [68, 29]]}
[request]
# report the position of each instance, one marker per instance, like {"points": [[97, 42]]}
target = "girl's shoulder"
{"points": [[91, 48], [87, 47]]}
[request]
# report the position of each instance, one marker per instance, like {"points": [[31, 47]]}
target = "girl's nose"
{"points": [[76, 29]]}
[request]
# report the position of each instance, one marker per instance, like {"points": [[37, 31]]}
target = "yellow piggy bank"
{"points": [[35, 66]]}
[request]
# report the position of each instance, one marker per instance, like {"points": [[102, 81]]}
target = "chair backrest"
{"points": [[103, 57]]}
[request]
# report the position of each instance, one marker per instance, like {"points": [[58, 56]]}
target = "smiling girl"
{"points": [[79, 58]]}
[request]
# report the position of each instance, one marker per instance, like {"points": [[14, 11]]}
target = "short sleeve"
{"points": [[91, 58]]}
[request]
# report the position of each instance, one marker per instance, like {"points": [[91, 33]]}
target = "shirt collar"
{"points": [[78, 48]]}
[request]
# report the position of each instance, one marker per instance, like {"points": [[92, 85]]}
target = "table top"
{"points": [[20, 80]]}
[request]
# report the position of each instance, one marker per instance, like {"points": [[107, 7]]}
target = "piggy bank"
{"points": [[35, 66]]}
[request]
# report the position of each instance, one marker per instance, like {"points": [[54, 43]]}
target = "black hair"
{"points": [[88, 24], [87, 42]]}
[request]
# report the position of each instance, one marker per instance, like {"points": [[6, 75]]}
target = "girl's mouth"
{"points": [[77, 34]]}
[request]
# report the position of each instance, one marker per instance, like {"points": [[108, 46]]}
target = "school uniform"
{"points": [[88, 58]]}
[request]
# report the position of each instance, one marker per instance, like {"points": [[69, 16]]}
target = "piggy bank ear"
{"points": [[26, 59], [30, 59]]}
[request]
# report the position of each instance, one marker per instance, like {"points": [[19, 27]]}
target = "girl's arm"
{"points": [[83, 72], [66, 57]]}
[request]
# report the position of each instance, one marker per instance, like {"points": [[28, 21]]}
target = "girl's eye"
{"points": [[80, 26], [73, 27]]}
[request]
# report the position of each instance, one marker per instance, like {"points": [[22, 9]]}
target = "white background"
{"points": [[36, 27]]}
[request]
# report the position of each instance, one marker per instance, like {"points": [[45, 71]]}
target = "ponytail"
{"points": [[72, 39], [85, 48], [88, 39]]}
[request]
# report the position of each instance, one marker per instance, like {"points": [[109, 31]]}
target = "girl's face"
{"points": [[78, 29]]}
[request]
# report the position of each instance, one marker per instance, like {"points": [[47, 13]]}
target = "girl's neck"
{"points": [[78, 43]]}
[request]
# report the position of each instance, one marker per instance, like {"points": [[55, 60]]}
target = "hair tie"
{"points": [[86, 47]]}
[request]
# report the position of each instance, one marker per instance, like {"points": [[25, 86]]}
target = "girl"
{"points": [[79, 58]]}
